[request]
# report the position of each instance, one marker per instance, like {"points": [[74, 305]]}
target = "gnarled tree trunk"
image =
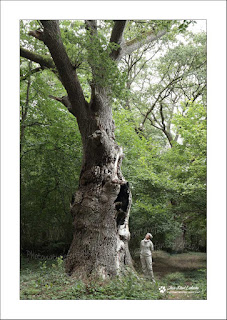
{"points": [[101, 205]]}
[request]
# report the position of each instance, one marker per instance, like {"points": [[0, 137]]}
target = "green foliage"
{"points": [[157, 178], [50, 148], [91, 56]]}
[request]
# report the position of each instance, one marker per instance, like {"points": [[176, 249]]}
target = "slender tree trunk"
{"points": [[101, 205], [25, 108], [179, 243]]}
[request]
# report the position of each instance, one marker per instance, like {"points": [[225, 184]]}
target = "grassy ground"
{"points": [[181, 276]]}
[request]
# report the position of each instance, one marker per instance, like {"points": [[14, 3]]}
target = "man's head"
{"points": [[148, 236]]}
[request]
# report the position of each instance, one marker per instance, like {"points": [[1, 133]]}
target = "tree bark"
{"points": [[101, 205]]}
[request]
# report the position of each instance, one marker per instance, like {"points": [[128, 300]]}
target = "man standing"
{"points": [[146, 249]]}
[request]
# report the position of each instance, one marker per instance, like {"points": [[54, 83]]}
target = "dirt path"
{"points": [[179, 273]]}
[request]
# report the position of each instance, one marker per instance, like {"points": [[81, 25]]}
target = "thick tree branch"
{"points": [[92, 26], [132, 45], [38, 34], [117, 31], [52, 39], [117, 37], [42, 60]]}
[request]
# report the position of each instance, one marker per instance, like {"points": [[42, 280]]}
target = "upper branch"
{"points": [[38, 34], [117, 37], [159, 98], [162, 126], [162, 116], [42, 60], [52, 38], [92, 26], [132, 45]]}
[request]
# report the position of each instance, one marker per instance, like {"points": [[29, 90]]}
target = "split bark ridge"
{"points": [[101, 205]]}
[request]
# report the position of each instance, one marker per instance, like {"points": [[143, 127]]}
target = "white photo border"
{"points": [[14, 308]]}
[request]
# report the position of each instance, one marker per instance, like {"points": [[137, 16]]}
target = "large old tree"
{"points": [[101, 204]]}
